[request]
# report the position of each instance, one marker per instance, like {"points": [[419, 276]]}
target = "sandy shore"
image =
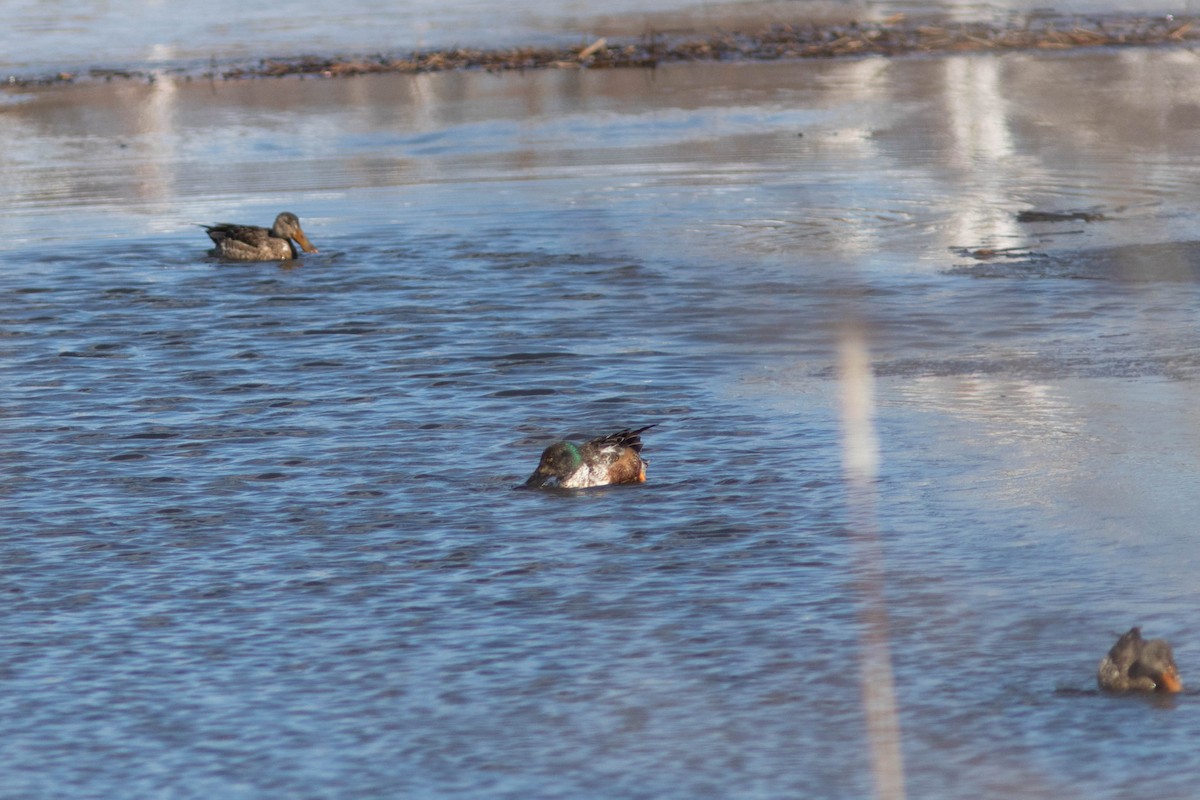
{"points": [[777, 41]]}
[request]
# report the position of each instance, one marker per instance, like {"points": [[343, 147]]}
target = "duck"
{"points": [[610, 459], [252, 243], [1136, 665]]}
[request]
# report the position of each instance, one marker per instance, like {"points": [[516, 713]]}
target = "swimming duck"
{"points": [[251, 243], [615, 458], [1134, 664]]}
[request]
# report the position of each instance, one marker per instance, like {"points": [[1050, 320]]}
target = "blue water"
{"points": [[260, 536]]}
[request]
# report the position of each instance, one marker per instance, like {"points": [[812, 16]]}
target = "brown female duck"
{"points": [[251, 243], [1136, 665]]}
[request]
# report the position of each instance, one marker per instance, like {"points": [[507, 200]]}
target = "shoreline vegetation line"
{"points": [[776, 42]]}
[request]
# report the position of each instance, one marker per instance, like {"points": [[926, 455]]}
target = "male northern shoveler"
{"points": [[251, 243], [1134, 664], [615, 458]]}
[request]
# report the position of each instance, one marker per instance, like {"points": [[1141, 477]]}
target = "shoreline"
{"points": [[777, 42]]}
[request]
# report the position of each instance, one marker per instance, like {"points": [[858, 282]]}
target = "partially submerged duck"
{"points": [[251, 243], [1136, 665], [615, 458]]}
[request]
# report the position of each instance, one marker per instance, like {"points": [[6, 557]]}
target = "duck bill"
{"points": [[304, 243], [1170, 682], [539, 479]]}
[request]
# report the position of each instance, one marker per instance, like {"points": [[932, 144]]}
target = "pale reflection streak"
{"points": [[981, 150], [865, 83], [829, 194], [156, 132], [860, 467]]}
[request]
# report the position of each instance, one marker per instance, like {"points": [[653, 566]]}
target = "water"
{"points": [[260, 533], [47, 37]]}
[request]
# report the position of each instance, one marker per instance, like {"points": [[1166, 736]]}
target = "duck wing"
{"points": [[251, 235], [626, 438]]}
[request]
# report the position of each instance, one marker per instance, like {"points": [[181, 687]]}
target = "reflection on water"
{"points": [[48, 37], [260, 532], [829, 159]]}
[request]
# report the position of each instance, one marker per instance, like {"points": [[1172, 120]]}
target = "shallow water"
{"points": [[261, 538], [44, 38]]}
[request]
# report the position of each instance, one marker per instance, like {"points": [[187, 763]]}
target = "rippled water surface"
{"points": [[260, 537]]}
